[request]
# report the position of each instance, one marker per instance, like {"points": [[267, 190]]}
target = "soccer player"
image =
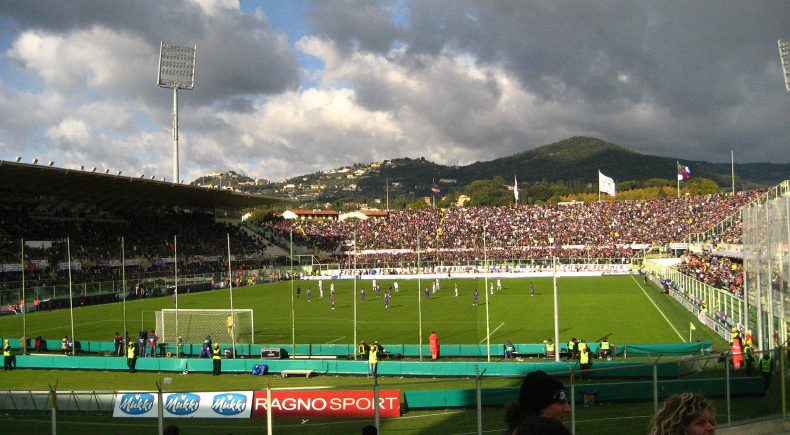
{"points": [[332, 299], [532, 288], [387, 299], [498, 284], [320, 288], [362, 294], [397, 289], [427, 293], [309, 294], [456, 289], [492, 288], [476, 297]]}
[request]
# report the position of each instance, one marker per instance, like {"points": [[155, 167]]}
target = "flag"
{"points": [[684, 173], [605, 184], [515, 187], [435, 188], [693, 328]]}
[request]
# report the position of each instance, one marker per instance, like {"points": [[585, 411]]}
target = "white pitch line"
{"points": [[659, 309], [337, 339], [492, 333]]}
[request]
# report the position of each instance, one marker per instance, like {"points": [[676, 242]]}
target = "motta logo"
{"points": [[136, 403], [229, 403], [182, 403]]}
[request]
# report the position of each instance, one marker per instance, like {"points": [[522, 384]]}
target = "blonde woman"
{"points": [[684, 414]]}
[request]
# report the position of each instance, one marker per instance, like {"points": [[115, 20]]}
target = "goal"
{"points": [[194, 325]]}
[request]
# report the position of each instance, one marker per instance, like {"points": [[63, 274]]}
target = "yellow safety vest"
{"points": [[130, 352], [216, 354], [584, 358], [373, 356], [7, 350], [604, 345], [765, 365], [549, 347]]}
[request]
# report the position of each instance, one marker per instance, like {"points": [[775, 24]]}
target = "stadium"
{"points": [[665, 283], [306, 302]]}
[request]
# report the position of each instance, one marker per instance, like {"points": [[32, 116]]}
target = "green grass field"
{"points": [[590, 308]]}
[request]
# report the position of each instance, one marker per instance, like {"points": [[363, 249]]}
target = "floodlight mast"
{"points": [[784, 55], [176, 71]]}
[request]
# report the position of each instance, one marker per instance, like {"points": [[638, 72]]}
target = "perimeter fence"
{"points": [[614, 400]]}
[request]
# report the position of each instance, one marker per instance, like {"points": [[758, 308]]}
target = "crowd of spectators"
{"points": [[94, 243], [609, 229], [717, 271]]}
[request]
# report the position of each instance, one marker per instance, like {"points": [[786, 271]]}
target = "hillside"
{"points": [[576, 159]]}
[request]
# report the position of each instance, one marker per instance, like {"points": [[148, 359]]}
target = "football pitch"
{"points": [[622, 308]]}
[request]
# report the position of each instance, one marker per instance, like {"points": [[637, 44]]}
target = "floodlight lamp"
{"points": [[51, 163], [120, 172], [153, 177], [784, 57], [107, 171], [176, 66], [94, 169], [18, 159], [35, 161], [142, 175], [82, 167]]}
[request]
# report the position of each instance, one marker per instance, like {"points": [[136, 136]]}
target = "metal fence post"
{"points": [[376, 412], [655, 386], [479, 400], [573, 400], [727, 388], [54, 410]]}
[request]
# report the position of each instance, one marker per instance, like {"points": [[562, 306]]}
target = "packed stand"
{"points": [[606, 229], [716, 271]]}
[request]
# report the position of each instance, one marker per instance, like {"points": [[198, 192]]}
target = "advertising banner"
{"points": [[228, 404], [326, 404]]}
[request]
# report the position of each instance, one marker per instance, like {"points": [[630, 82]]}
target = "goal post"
{"points": [[194, 325]]}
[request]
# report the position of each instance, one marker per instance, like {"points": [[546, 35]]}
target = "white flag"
{"points": [[515, 187], [605, 184]]}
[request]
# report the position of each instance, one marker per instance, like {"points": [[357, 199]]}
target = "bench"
{"points": [[306, 372]]}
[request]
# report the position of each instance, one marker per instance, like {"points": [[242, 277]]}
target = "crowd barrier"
{"points": [[342, 367], [604, 392], [403, 350]]}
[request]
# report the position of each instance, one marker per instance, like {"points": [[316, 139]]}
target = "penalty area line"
{"points": [[659, 309], [492, 333], [337, 339]]}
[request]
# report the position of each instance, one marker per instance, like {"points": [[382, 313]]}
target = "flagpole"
{"points": [[556, 312], [488, 327], [354, 292], [123, 284], [232, 317], [175, 275], [599, 185], [419, 289], [732, 171], [71, 298], [678, 178], [24, 302], [293, 313]]}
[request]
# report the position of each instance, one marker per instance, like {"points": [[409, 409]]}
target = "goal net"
{"points": [[194, 325]]}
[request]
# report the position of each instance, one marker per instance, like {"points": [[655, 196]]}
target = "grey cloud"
{"points": [[362, 24], [237, 54]]}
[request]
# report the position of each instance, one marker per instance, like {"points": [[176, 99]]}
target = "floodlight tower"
{"points": [[784, 55], [176, 71]]}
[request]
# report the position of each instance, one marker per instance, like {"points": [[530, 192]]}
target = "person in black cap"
{"points": [[540, 395]]}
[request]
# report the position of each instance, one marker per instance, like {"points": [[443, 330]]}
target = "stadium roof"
{"points": [[42, 186]]}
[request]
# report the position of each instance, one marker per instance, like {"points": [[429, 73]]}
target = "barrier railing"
{"points": [[601, 399]]}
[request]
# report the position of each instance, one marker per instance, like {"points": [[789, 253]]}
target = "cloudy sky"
{"points": [[285, 88]]}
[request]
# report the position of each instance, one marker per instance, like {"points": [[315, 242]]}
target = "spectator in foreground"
{"points": [[540, 395], [684, 414]]}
